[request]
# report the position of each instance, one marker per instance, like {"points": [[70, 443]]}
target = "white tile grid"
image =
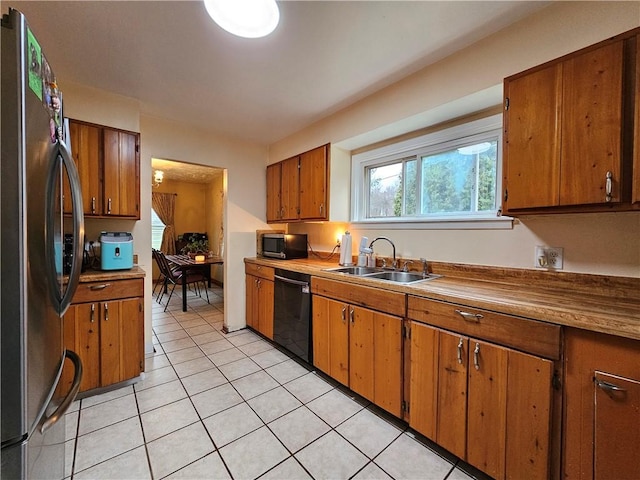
{"points": [[232, 406]]}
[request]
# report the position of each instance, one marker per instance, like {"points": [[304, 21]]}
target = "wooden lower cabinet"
{"points": [[487, 404], [109, 339], [361, 348], [602, 407], [259, 298]]}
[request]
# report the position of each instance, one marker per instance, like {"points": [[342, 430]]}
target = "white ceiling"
{"points": [[324, 55]]}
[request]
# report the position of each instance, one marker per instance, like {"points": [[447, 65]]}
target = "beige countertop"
{"points": [[593, 302], [111, 275]]}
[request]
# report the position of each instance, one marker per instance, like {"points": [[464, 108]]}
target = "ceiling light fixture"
{"points": [[158, 176], [245, 18]]}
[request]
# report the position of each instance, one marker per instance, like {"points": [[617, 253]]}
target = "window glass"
{"points": [[157, 228], [460, 180], [451, 175]]}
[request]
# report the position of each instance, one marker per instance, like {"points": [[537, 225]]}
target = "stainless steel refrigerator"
{"points": [[40, 202]]}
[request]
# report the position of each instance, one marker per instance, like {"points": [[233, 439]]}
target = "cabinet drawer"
{"points": [[258, 271], [109, 290], [386, 301], [531, 336]]}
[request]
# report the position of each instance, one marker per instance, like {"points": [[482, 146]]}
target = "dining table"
{"points": [[185, 263]]}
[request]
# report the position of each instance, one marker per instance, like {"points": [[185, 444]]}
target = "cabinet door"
{"points": [[532, 139], [110, 352], [121, 174], [265, 307], [331, 338], [81, 334], [320, 332], [274, 185], [251, 284], [313, 184], [131, 338], [290, 189], [87, 332], [592, 126], [486, 408], [387, 362], [451, 424], [361, 349], [616, 427], [529, 408], [423, 400], [86, 147]]}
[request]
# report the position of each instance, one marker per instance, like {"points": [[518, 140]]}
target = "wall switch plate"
{"points": [[549, 258]]}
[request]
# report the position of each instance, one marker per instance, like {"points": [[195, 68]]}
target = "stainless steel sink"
{"points": [[380, 274], [402, 277], [354, 270]]}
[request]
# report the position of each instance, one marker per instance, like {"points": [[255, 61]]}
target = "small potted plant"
{"points": [[198, 245]]}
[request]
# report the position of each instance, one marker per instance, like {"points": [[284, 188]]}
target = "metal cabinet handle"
{"points": [[259, 283], [106, 312], [109, 206], [476, 357], [99, 287], [321, 209], [93, 312], [344, 314], [608, 387], [470, 317], [460, 343], [609, 186], [351, 315], [93, 204]]}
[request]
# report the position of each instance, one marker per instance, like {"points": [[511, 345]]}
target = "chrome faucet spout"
{"points": [[395, 263]]}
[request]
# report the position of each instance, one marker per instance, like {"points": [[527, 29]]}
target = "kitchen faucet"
{"points": [[394, 265]]}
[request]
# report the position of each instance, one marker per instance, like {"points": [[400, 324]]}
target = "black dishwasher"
{"points": [[292, 312]]}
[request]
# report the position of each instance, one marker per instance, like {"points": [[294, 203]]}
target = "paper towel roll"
{"points": [[346, 258]]}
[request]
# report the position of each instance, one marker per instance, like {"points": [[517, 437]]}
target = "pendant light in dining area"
{"points": [[245, 18]]}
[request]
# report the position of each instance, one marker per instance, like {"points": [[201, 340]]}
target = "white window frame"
{"points": [[474, 131]]}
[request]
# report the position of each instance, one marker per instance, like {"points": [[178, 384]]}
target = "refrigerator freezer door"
{"points": [[32, 351]]}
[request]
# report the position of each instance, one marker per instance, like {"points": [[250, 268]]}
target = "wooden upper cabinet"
{"points": [[121, 174], [108, 163], [532, 139], [86, 148], [297, 188], [289, 189], [314, 184], [565, 143], [592, 127], [274, 187]]}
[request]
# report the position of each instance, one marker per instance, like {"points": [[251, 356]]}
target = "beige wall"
{"points": [[594, 243], [191, 214]]}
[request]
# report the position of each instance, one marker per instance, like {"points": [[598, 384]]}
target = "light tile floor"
{"points": [[231, 406]]}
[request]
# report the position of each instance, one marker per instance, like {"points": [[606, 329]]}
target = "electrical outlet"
{"points": [[549, 257]]}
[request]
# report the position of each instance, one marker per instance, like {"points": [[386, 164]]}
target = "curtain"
{"points": [[164, 205]]}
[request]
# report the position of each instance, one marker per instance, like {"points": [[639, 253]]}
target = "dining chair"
{"points": [[178, 277]]}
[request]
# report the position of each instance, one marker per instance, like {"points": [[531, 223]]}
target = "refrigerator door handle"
{"points": [[71, 396], [63, 300]]}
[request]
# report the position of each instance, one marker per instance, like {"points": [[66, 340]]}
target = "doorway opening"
{"points": [[200, 208]]}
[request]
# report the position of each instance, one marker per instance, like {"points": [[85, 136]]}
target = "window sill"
{"points": [[444, 223]]}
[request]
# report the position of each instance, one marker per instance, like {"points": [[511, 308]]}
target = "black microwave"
{"points": [[284, 245]]}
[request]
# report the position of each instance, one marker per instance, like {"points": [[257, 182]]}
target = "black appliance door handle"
{"points": [[292, 282], [71, 396]]}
